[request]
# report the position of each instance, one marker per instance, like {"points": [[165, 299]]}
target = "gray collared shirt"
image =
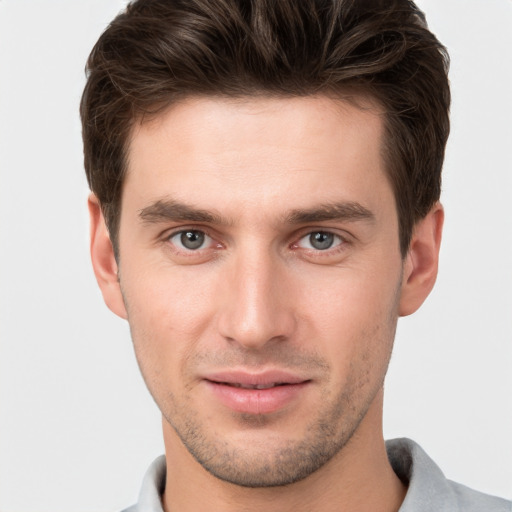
{"points": [[428, 489]]}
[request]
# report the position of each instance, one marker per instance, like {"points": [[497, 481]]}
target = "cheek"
{"points": [[354, 317], [168, 312]]}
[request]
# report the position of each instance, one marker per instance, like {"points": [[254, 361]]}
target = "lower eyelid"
{"points": [[338, 240], [208, 240]]}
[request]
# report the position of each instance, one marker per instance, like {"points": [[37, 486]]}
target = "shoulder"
{"points": [[470, 500], [428, 488], [152, 487]]}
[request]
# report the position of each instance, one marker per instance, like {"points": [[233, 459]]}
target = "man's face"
{"points": [[261, 274]]}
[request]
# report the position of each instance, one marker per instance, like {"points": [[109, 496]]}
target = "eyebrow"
{"points": [[344, 211], [175, 211], [169, 210]]}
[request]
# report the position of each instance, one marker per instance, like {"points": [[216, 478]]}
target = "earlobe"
{"points": [[103, 260], [421, 262]]}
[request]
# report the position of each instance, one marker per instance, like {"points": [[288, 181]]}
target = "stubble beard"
{"points": [[279, 462], [288, 461]]}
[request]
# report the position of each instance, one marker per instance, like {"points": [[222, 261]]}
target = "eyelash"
{"points": [[184, 250], [340, 242]]}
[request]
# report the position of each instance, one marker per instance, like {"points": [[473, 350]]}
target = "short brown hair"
{"points": [[160, 51]]}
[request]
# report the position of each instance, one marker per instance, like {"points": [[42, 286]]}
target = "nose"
{"points": [[256, 303]]}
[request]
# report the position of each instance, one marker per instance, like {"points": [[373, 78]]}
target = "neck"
{"points": [[358, 478]]}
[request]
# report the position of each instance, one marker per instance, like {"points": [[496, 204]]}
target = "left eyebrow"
{"points": [[345, 211], [169, 210]]}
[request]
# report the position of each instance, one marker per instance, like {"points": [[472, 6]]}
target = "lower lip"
{"points": [[256, 401]]}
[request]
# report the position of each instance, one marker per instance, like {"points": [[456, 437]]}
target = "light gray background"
{"points": [[78, 428]]}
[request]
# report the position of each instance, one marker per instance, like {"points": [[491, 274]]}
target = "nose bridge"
{"points": [[256, 310]]}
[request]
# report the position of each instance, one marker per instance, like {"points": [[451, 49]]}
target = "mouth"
{"points": [[253, 386], [262, 393]]}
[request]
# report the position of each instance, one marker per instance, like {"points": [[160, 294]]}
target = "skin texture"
{"points": [[256, 294]]}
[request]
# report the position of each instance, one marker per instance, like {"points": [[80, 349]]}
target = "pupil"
{"points": [[321, 240], [192, 239]]}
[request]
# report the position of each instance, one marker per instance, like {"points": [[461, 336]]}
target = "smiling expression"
{"points": [[261, 275]]}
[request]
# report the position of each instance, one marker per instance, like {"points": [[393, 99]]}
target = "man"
{"points": [[265, 185]]}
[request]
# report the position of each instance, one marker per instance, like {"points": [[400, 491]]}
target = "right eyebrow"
{"points": [[342, 211], [175, 211]]}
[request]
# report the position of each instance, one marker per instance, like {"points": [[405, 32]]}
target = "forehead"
{"points": [[258, 151]]}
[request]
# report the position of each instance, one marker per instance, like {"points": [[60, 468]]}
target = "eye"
{"points": [[320, 241], [190, 240]]}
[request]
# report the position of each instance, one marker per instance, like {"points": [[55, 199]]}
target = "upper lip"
{"points": [[253, 379]]}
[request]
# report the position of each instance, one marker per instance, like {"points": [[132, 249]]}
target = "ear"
{"points": [[103, 260], [421, 262]]}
